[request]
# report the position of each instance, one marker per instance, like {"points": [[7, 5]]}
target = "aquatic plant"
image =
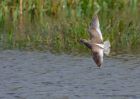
{"points": [[57, 25]]}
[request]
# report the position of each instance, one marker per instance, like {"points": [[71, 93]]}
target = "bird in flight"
{"points": [[96, 44]]}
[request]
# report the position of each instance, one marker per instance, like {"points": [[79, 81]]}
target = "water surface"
{"points": [[42, 75]]}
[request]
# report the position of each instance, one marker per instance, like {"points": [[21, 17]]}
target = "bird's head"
{"points": [[97, 56]]}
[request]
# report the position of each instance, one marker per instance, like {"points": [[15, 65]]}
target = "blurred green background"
{"points": [[57, 25]]}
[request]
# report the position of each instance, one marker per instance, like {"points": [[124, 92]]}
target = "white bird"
{"points": [[96, 44]]}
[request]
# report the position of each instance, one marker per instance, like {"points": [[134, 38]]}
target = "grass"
{"points": [[58, 25]]}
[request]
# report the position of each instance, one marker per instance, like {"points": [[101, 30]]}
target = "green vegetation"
{"points": [[57, 25]]}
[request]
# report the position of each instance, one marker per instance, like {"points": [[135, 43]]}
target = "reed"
{"points": [[57, 25]]}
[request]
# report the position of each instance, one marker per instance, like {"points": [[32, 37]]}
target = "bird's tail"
{"points": [[107, 47]]}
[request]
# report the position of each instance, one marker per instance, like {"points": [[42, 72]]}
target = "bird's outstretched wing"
{"points": [[86, 43], [94, 30]]}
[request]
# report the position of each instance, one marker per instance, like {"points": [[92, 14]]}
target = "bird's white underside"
{"points": [[101, 54]]}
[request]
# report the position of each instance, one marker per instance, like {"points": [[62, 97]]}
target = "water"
{"points": [[42, 75]]}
